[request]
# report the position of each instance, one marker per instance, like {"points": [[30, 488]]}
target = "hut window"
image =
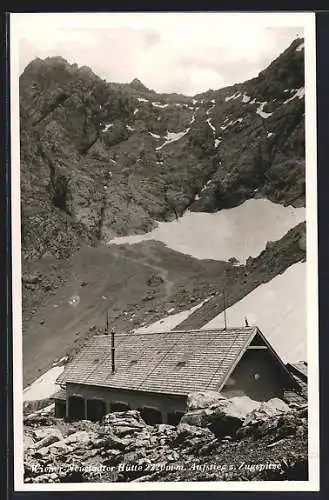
{"points": [[174, 417], [96, 409], [76, 407], [151, 415], [60, 408], [119, 406]]}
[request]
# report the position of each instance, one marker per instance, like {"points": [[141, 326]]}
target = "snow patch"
{"points": [[245, 98], [107, 127], [45, 386], [217, 142], [241, 232], [269, 134], [131, 129], [300, 47], [260, 111], [230, 123], [206, 185], [234, 96], [276, 307], [141, 99], [298, 93], [159, 105], [173, 137], [156, 136], [136, 111], [211, 125], [210, 109], [170, 322]]}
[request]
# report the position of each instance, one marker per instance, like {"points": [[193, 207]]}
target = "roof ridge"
{"points": [[195, 330]]}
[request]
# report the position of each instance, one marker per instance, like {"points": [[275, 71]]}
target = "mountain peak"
{"points": [[138, 85]]}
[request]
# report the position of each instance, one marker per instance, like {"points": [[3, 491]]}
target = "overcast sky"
{"points": [[168, 52]]}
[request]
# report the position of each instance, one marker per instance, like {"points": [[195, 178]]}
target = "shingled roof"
{"points": [[175, 362], [299, 369]]}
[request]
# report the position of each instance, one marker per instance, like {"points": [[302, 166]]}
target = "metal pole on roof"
{"points": [[113, 350], [224, 302], [107, 323]]}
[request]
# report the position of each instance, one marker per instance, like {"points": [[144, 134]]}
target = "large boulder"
{"points": [[126, 423], [244, 404], [199, 418], [80, 438], [58, 447], [42, 432], [226, 419], [225, 416], [222, 419], [129, 416], [47, 440], [268, 409], [197, 400]]}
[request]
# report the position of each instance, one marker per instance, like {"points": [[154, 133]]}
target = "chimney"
{"points": [[246, 322], [112, 350]]}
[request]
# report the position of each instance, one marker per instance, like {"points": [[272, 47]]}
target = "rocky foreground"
{"points": [[217, 439]]}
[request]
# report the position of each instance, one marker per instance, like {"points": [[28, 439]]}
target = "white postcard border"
{"points": [[287, 19]]}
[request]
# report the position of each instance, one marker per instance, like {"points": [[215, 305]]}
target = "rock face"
{"points": [[101, 159], [225, 416], [102, 452]]}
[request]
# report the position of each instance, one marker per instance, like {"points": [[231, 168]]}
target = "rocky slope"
{"points": [[100, 160], [219, 440]]}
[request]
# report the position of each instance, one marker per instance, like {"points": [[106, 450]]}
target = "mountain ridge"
{"points": [[152, 159]]}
